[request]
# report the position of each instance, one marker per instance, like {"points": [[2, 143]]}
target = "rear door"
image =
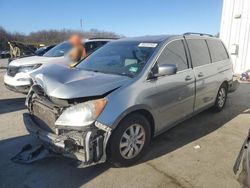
{"points": [[205, 73], [175, 93], [220, 60]]}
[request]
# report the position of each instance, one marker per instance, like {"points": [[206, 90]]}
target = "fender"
{"points": [[129, 110]]}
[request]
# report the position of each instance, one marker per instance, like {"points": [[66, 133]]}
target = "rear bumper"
{"points": [[233, 85], [90, 150]]}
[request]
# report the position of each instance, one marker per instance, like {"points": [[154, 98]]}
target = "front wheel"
{"points": [[129, 141], [221, 98]]}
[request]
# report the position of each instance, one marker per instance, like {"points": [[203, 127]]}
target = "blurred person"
{"points": [[78, 51]]}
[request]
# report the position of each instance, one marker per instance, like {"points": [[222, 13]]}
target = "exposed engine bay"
{"points": [[86, 144]]}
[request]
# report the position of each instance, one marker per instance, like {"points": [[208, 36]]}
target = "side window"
{"points": [[217, 50], [174, 53], [199, 52]]}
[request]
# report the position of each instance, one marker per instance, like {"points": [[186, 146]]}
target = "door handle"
{"points": [[188, 78], [200, 74]]}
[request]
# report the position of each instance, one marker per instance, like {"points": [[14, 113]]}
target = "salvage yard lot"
{"points": [[171, 160]]}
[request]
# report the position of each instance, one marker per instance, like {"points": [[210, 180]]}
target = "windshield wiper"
{"points": [[115, 73], [127, 74], [91, 70], [121, 74]]}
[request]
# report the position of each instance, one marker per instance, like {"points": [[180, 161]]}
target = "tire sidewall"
{"points": [[114, 155], [217, 106]]}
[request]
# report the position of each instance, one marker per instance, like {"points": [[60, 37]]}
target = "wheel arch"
{"points": [[144, 112], [139, 110], [225, 82]]}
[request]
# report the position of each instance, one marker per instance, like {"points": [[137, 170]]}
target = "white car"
{"points": [[17, 76]]}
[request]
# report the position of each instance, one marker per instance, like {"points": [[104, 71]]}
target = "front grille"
{"points": [[44, 116], [12, 70]]}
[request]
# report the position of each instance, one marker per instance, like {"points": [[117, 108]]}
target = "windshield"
{"points": [[41, 51], [59, 50], [123, 58]]}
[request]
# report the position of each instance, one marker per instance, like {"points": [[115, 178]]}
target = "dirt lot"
{"points": [[171, 160]]}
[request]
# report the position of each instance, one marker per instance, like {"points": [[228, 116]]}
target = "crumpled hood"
{"points": [[65, 83], [38, 59]]}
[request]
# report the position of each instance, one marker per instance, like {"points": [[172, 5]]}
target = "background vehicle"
{"points": [[112, 103], [22, 49], [5, 54], [39, 52], [17, 77]]}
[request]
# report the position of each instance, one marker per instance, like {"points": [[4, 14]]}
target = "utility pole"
{"points": [[81, 24]]}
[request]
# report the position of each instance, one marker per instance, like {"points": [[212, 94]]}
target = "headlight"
{"points": [[28, 68], [82, 114]]}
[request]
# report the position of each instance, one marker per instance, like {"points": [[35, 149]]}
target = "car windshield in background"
{"points": [[92, 46], [122, 58], [59, 50]]}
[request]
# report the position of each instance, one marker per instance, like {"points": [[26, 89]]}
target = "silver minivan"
{"points": [[111, 105]]}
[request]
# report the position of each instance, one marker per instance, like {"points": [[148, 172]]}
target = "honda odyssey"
{"points": [[111, 105]]}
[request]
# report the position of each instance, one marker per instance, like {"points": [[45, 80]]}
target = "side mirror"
{"points": [[162, 70], [166, 69]]}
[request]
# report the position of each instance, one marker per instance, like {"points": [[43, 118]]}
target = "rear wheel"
{"points": [[129, 141], [221, 98]]}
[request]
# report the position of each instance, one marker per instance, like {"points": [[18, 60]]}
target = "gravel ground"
{"points": [[171, 161]]}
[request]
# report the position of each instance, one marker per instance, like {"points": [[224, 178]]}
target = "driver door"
{"points": [[175, 93]]}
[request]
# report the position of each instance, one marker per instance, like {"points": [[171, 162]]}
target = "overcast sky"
{"points": [[127, 17]]}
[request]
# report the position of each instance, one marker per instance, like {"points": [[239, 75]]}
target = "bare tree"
{"points": [[48, 37]]}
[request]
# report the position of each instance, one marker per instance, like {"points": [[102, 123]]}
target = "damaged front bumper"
{"points": [[87, 146]]}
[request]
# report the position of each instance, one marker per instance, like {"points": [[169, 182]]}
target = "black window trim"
{"points": [[210, 56], [188, 54]]}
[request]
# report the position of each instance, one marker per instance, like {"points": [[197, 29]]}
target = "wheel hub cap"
{"points": [[222, 97], [132, 141]]}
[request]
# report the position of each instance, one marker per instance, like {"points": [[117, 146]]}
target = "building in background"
{"points": [[235, 32]]}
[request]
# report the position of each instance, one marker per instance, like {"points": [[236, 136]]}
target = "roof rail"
{"points": [[201, 34]]}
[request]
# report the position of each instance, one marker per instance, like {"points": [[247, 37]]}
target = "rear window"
{"points": [[199, 52], [217, 50]]}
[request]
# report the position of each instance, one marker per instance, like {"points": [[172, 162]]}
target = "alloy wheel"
{"points": [[222, 97], [132, 141]]}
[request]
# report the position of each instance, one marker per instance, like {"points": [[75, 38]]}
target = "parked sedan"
{"points": [[115, 101]]}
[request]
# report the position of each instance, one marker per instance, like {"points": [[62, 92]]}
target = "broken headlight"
{"points": [[82, 114]]}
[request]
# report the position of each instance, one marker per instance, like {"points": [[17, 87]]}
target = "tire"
{"points": [[221, 98], [124, 150]]}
